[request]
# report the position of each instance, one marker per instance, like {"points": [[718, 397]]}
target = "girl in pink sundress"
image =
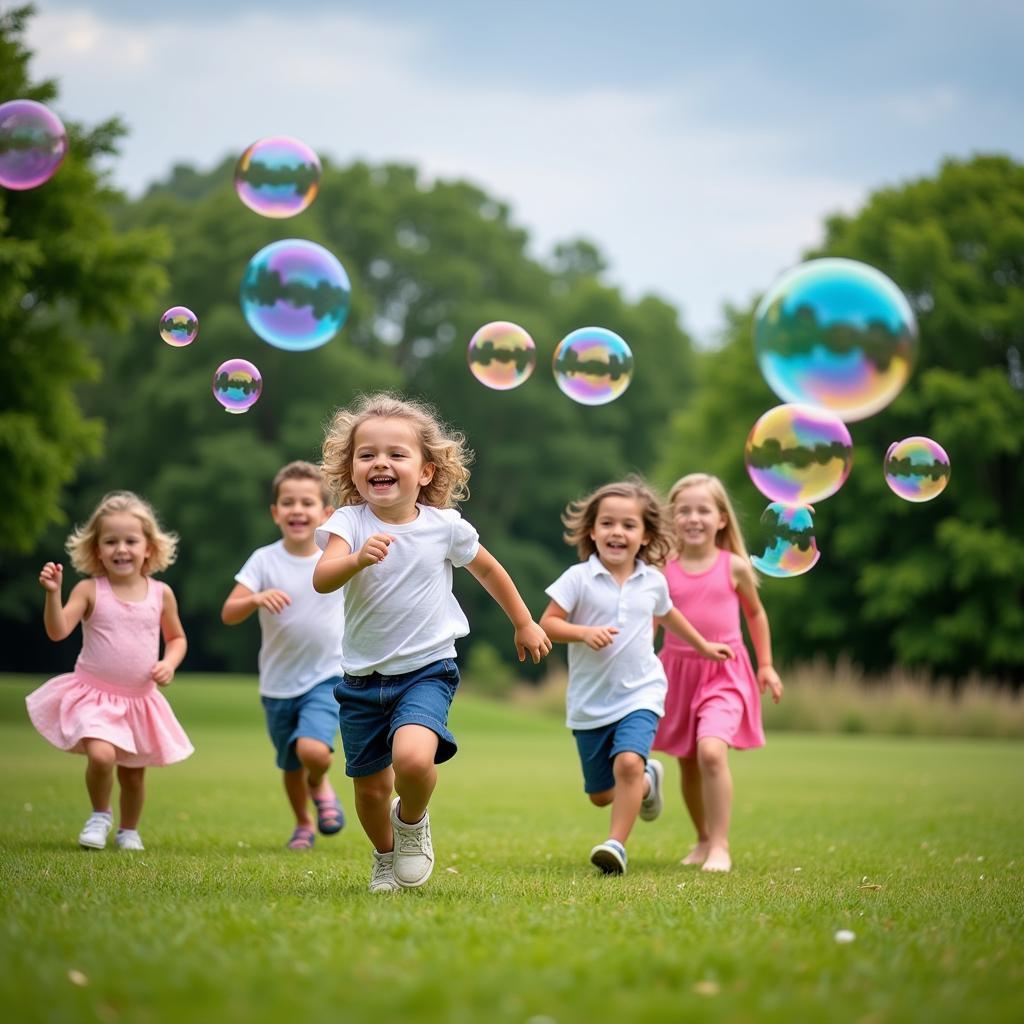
{"points": [[712, 705], [109, 708]]}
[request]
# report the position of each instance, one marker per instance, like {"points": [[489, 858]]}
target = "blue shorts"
{"points": [[371, 708], [312, 714], [599, 747]]}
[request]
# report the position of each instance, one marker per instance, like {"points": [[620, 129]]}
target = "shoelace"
{"points": [[382, 871], [413, 842]]}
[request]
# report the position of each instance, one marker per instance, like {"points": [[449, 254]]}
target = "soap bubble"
{"points": [[593, 366], [798, 454], [33, 144], [916, 468], [789, 545], [237, 385], [179, 326], [278, 177], [501, 355], [836, 333], [295, 294]]}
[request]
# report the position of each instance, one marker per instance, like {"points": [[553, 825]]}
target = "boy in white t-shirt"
{"points": [[605, 608], [300, 653]]}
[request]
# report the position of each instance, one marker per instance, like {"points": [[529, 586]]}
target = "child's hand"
{"points": [[161, 673], [596, 637], [51, 577], [374, 550], [768, 679], [533, 639], [717, 652], [275, 601]]}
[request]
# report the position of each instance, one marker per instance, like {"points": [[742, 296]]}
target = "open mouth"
{"points": [[382, 481]]}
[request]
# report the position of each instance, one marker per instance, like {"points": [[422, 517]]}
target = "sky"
{"points": [[700, 146]]}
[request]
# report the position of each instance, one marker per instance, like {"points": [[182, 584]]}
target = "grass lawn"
{"points": [[916, 846]]}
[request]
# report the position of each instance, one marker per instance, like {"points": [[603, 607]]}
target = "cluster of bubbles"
{"points": [[33, 144], [836, 340], [592, 365]]}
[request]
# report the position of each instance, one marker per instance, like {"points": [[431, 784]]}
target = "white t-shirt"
{"points": [[401, 614], [625, 676], [302, 645]]}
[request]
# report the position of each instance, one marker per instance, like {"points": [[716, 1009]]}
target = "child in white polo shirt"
{"points": [[390, 547], [605, 608]]}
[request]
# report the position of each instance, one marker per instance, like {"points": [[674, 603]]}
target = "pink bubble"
{"points": [[237, 385], [501, 355], [179, 326], [916, 468], [33, 144]]}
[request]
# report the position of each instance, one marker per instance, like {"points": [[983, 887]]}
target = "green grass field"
{"points": [[917, 846]]}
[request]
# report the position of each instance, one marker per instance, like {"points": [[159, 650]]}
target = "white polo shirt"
{"points": [[625, 676], [401, 614]]}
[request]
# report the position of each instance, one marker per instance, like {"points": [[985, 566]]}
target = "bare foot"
{"points": [[697, 855], [718, 859]]}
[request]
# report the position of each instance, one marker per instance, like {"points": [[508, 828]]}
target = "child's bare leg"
{"points": [[692, 785], [412, 753], [713, 758], [373, 806], [316, 759], [99, 773], [630, 783], [298, 796], [133, 794]]}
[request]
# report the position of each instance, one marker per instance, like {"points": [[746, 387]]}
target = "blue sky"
{"points": [[699, 145]]}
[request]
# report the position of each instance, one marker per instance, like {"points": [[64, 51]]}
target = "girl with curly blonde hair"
{"points": [[392, 543]]}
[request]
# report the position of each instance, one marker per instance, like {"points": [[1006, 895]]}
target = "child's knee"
{"points": [[413, 761], [628, 766], [101, 755], [712, 756], [314, 754], [602, 799], [374, 788]]}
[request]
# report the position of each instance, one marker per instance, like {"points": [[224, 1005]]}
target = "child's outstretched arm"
{"points": [[493, 577], [757, 626], [175, 644], [555, 622], [60, 619], [679, 624], [339, 563], [242, 602]]}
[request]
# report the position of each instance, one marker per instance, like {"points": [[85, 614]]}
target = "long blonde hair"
{"points": [[729, 536], [440, 445], [82, 545], [580, 516]]}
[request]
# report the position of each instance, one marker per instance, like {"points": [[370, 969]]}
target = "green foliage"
{"points": [[938, 585]]}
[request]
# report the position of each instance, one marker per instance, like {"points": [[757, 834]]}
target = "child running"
{"points": [[603, 608], [300, 653], [712, 707], [109, 707], [391, 545]]}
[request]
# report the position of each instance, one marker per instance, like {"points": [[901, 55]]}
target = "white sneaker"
{"points": [[610, 857], [128, 839], [414, 854], [382, 878], [650, 807], [95, 831]]}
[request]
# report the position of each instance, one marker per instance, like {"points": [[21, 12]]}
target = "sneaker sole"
{"points": [[607, 862], [417, 883], [92, 846]]}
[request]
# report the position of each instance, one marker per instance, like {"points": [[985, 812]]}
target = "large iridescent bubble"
{"points": [[917, 468], [33, 144], [836, 333], [278, 177], [295, 294], [593, 365], [179, 326], [798, 454], [237, 385], [788, 538], [501, 355]]}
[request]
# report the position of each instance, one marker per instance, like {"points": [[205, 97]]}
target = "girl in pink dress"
{"points": [[712, 705], [109, 708]]}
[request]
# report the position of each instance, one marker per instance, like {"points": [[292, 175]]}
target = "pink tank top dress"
{"points": [[110, 696], [708, 698]]}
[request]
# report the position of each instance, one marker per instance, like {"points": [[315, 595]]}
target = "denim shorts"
{"points": [[599, 747], [371, 708], [313, 714]]}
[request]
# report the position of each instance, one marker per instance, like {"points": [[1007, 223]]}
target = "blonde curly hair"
{"points": [[441, 446], [82, 545], [580, 516]]}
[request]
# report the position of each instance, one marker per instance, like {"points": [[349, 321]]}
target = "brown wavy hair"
{"points": [[83, 544], [580, 516], [440, 445]]}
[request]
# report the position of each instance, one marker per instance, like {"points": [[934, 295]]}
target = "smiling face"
{"points": [[121, 546], [697, 519], [388, 467], [298, 511], [619, 531]]}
